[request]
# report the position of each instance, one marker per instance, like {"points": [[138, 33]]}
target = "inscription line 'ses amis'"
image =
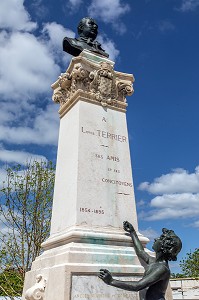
{"points": [[109, 157]]}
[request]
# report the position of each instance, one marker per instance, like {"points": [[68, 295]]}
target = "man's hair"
{"points": [[171, 244], [82, 22]]}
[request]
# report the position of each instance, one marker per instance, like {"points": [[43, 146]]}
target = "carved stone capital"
{"points": [[36, 292], [103, 84], [124, 88], [98, 81]]}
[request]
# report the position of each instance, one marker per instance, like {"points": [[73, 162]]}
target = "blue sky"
{"points": [[157, 41]]}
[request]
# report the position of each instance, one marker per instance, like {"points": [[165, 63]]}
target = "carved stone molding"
{"points": [[103, 84], [36, 292], [98, 81]]}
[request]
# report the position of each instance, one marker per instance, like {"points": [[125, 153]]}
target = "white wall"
{"points": [[185, 288]]}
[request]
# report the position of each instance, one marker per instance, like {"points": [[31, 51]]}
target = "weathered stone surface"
{"points": [[37, 291], [97, 81], [90, 287], [93, 188], [94, 191]]}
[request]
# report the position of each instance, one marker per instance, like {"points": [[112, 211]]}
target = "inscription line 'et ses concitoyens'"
{"points": [[117, 182], [106, 135]]}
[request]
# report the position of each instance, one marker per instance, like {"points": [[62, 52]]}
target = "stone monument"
{"points": [[93, 191]]}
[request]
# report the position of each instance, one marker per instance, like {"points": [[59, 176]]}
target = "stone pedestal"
{"points": [[94, 191]]}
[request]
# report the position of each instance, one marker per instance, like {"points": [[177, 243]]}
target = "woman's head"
{"points": [[168, 244]]}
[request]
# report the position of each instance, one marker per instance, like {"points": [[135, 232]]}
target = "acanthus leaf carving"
{"points": [[62, 89], [80, 78], [124, 89], [67, 84], [97, 82]]}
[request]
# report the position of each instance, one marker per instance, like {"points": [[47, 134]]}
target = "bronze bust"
{"points": [[87, 30], [157, 272]]}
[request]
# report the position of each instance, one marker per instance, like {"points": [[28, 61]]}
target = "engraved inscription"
{"points": [[90, 288], [100, 156], [92, 296], [106, 135], [94, 211], [113, 158], [114, 170], [112, 136], [88, 131], [108, 157], [117, 182]]}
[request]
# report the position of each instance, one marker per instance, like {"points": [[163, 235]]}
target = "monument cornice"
{"points": [[93, 79], [81, 234], [86, 97]]}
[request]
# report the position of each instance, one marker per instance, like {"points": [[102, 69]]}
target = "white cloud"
{"points": [[109, 46], [149, 233], [3, 224], [140, 203], [55, 34], [44, 130], [3, 175], [47, 125], [29, 64], [179, 181], [5, 113], [39, 8], [14, 16], [173, 206], [20, 157], [109, 11], [166, 25], [196, 224], [31, 67], [74, 3], [31, 70], [189, 5], [182, 201], [178, 196]]}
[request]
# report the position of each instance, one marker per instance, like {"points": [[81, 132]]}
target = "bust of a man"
{"points": [[87, 30]]}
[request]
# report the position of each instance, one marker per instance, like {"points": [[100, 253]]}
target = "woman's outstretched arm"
{"points": [[139, 249], [155, 276]]}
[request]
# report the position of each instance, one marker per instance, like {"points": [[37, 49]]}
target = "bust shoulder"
{"points": [[72, 46], [75, 46]]}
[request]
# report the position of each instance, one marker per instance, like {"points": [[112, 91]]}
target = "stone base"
{"points": [[71, 272], [91, 287]]}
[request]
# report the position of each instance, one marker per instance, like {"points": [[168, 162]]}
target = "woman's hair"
{"points": [[171, 244]]}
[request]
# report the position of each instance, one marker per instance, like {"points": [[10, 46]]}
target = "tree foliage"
{"points": [[177, 275], [11, 283], [25, 211], [190, 264]]}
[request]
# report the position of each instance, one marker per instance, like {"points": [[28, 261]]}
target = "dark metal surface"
{"points": [[87, 30], [157, 272]]}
